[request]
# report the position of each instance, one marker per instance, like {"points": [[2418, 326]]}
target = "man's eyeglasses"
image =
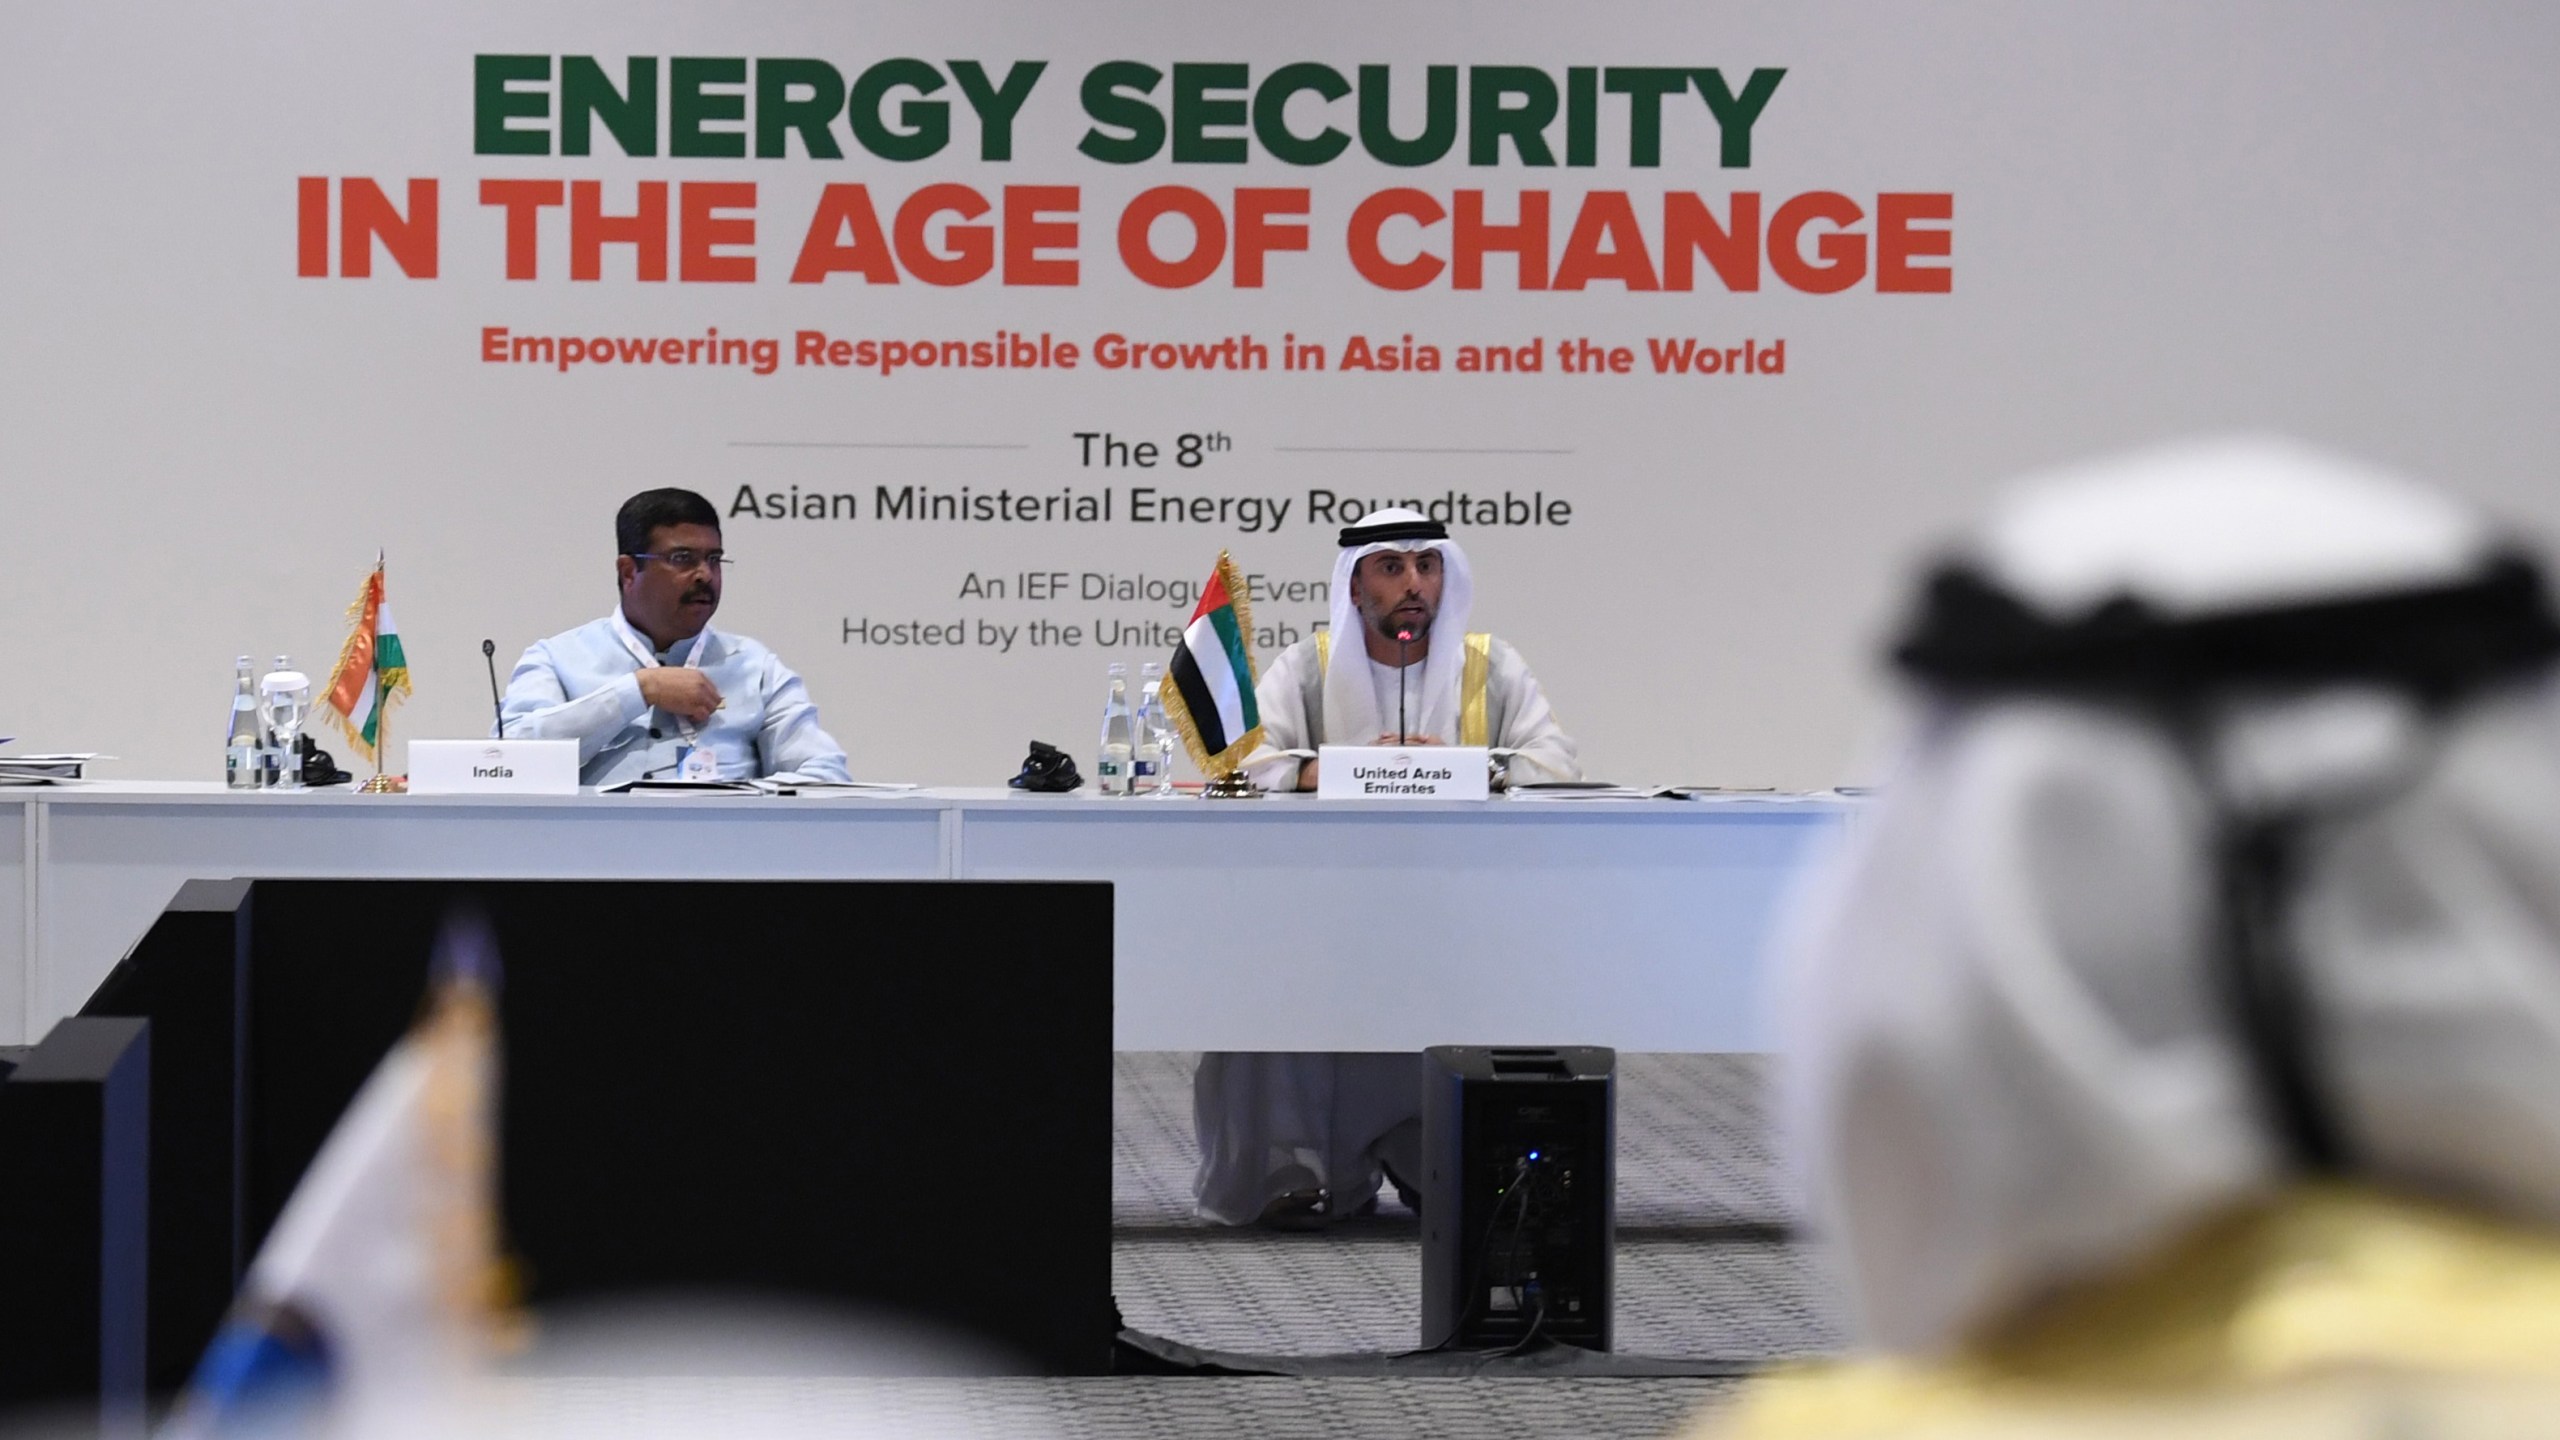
{"points": [[683, 561]]}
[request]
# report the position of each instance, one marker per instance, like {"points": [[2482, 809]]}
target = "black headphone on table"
{"points": [[1047, 771]]}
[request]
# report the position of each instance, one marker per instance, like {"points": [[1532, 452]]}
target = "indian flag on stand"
{"points": [[1209, 693], [372, 669]]}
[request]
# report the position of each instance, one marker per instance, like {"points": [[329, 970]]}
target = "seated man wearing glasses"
{"points": [[651, 691]]}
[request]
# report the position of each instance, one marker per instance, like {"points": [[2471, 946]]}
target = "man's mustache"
{"points": [[698, 592]]}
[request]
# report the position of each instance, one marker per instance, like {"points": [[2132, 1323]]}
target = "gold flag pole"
{"points": [[381, 784], [1231, 786]]}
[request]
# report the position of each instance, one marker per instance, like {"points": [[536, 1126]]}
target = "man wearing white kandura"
{"points": [[1295, 1140], [2175, 1049], [651, 691], [1399, 572]]}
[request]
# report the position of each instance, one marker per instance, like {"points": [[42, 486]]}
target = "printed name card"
{"points": [[1401, 772], [493, 767]]}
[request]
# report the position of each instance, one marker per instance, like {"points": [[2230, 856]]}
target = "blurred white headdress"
{"points": [[2227, 844]]}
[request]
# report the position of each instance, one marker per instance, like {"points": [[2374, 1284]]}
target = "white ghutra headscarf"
{"points": [[2026, 1041], [1350, 702]]}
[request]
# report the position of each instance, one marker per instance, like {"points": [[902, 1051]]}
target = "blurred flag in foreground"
{"points": [[383, 1281]]}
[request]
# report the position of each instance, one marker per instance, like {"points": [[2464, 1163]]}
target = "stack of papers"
{"points": [[44, 769], [837, 787], [1592, 790], [758, 787], [679, 787], [1597, 790]]}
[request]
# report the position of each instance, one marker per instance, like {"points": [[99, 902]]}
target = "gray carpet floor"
{"points": [[1705, 1269], [1126, 1408]]}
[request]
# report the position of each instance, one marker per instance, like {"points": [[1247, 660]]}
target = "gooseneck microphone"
{"points": [[1404, 662], [497, 707]]}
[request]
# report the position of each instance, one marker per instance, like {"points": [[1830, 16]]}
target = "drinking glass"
{"points": [[284, 702]]}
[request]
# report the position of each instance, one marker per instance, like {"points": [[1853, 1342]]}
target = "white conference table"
{"points": [[1286, 923]]}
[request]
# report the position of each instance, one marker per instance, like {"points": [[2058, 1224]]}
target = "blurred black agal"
{"points": [[890, 1095]]}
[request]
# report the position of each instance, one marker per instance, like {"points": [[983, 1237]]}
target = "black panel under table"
{"points": [[184, 976], [892, 1094], [75, 1127]]}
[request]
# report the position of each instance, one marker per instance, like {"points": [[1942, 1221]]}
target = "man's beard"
{"points": [[1391, 622]]}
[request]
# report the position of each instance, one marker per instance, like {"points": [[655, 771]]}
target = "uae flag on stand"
{"points": [[372, 670], [1209, 692]]}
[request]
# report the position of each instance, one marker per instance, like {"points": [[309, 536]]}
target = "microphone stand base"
{"points": [[1230, 786], [385, 785]]}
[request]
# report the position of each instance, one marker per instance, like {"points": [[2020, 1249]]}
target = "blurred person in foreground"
{"points": [[2178, 1043]]}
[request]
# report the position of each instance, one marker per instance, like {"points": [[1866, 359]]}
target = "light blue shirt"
{"points": [[585, 686]]}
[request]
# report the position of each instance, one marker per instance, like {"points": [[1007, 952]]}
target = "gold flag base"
{"points": [[385, 785], [1230, 786]]}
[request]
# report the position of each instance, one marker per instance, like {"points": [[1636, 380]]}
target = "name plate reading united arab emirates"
{"points": [[1401, 772], [493, 767]]}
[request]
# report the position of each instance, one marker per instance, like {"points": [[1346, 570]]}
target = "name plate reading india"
{"points": [[1401, 772], [493, 767]]}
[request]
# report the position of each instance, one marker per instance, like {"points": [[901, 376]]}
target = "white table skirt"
{"points": [[1286, 923]]}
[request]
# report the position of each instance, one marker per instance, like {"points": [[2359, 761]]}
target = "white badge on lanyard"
{"points": [[695, 760]]}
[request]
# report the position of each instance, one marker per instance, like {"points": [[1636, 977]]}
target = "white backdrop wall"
{"points": [[2328, 218]]}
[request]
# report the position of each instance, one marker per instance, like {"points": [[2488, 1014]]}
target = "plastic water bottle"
{"points": [[1111, 770], [240, 748], [1147, 773]]}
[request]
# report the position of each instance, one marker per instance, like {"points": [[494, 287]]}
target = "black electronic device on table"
{"points": [[1519, 1231]]}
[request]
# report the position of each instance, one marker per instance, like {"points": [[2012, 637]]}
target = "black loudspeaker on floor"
{"points": [[1520, 1234]]}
